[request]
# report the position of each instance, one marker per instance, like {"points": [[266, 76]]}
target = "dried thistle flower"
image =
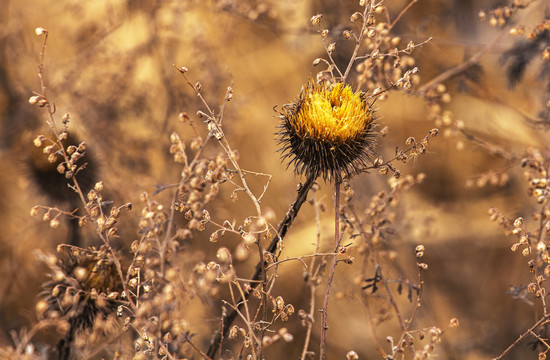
{"points": [[328, 131], [81, 290]]}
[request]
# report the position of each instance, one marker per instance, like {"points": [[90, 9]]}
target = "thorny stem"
{"points": [[523, 336], [285, 224], [324, 313]]}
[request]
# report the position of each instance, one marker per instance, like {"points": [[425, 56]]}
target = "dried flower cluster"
{"points": [[84, 293]]}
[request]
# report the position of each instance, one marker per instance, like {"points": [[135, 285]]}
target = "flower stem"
{"points": [[324, 313]]}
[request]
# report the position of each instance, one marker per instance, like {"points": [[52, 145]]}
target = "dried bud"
{"points": [[33, 99], [422, 266], [481, 15], [34, 211], [98, 186], [316, 19], [54, 223], [82, 147], [40, 31], [223, 255], [183, 117], [61, 168], [38, 141], [518, 222]]}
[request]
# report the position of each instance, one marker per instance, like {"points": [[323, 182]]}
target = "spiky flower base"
{"points": [[328, 131]]}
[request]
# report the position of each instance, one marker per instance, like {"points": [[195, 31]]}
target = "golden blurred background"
{"points": [[110, 65]]}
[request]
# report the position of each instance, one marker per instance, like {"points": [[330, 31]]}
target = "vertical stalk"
{"points": [[324, 314]]}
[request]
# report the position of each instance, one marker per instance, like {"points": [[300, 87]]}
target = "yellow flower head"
{"points": [[328, 131]]}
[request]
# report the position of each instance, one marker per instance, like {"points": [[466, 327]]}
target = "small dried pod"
{"points": [[316, 19]]}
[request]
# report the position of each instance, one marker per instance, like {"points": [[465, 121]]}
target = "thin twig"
{"points": [[522, 336], [359, 41], [401, 14]]}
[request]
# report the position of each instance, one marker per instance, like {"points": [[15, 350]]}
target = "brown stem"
{"points": [[402, 13], [359, 41], [227, 320], [522, 336], [324, 313]]}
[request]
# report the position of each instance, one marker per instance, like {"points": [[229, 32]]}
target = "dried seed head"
{"points": [[316, 19], [40, 31], [38, 141], [223, 255], [328, 131], [453, 323], [481, 15], [422, 266], [54, 223]]}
